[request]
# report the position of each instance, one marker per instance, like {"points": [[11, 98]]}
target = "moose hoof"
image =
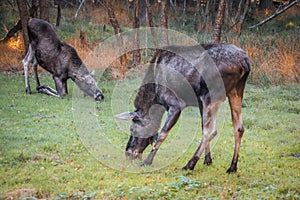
{"points": [[191, 164], [187, 167], [207, 160], [231, 170], [145, 163], [28, 91]]}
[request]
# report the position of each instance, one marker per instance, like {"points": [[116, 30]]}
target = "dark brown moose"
{"points": [[181, 76], [58, 58]]}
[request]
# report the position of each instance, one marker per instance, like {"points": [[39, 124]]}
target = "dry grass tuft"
{"points": [[275, 60], [286, 60], [11, 55]]}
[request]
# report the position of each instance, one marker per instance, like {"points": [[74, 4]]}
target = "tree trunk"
{"points": [[44, 10], [128, 8], [150, 19], [143, 12], [24, 19], [240, 15], [219, 21], [136, 24], [239, 10], [58, 13], [206, 14], [35, 3], [184, 14], [214, 4], [164, 22], [18, 26], [228, 11], [243, 16], [196, 15], [173, 5], [115, 24]]}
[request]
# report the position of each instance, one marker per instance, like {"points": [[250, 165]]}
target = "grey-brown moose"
{"points": [[58, 58], [181, 76]]}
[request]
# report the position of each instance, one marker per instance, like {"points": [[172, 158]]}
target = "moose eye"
{"points": [[136, 120]]}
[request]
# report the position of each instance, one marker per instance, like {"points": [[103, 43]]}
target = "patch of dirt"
{"points": [[19, 193]]}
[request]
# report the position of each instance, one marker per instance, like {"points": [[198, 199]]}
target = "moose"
{"points": [[181, 76], [58, 58]]}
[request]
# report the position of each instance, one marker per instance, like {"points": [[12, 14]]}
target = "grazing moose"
{"points": [[201, 75], [58, 58]]}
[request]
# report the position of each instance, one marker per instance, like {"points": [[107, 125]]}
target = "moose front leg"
{"points": [[26, 61], [34, 67], [60, 86], [173, 115]]}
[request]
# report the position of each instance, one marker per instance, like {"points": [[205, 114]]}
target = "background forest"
{"points": [[272, 47]]}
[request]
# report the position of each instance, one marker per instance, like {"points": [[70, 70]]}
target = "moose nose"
{"points": [[98, 95], [128, 153], [133, 154]]}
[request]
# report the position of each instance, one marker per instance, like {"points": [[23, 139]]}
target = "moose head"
{"points": [[143, 130]]}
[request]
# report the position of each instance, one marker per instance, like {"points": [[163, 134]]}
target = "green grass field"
{"points": [[46, 152]]}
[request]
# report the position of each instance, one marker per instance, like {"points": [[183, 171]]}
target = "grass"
{"points": [[45, 154], [73, 148]]}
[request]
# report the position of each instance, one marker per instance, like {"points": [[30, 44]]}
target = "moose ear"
{"points": [[127, 115]]}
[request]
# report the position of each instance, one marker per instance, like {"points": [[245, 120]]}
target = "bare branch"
{"points": [[278, 12], [78, 9], [12, 31]]}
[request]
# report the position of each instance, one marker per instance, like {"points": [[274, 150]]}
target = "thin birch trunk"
{"points": [[184, 14], [115, 24], [196, 15], [164, 23], [219, 22], [136, 32]]}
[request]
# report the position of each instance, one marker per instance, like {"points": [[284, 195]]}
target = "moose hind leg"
{"points": [[26, 61], [235, 101], [207, 158], [210, 113], [34, 67]]}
